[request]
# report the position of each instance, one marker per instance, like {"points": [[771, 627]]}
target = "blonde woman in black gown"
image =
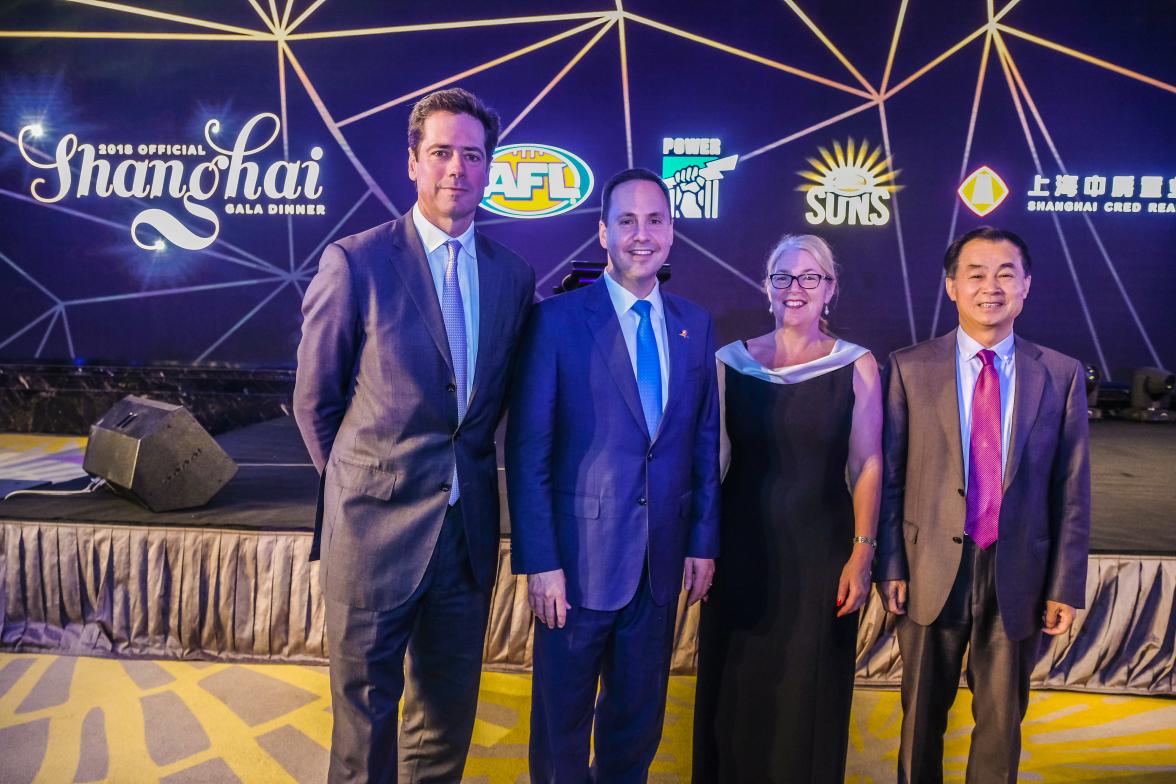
{"points": [[802, 412]]}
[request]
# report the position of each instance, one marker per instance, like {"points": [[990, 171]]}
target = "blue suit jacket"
{"points": [[589, 491]]}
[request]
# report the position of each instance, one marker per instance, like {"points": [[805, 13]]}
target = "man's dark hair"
{"points": [[629, 175], [455, 101], [951, 259]]}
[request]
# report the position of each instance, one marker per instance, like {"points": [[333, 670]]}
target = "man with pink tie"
{"points": [[985, 523]]}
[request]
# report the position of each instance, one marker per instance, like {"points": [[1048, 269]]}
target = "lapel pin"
{"points": [[683, 334]]}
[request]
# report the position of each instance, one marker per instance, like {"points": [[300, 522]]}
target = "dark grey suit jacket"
{"points": [[375, 402], [1042, 548]]}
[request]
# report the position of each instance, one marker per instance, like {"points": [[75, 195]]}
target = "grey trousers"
{"points": [[997, 673], [441, 628]]}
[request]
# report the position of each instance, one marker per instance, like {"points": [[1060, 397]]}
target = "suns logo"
{"points": [[850, 186], [536, 181]]}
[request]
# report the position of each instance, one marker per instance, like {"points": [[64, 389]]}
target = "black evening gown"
{"points": [[776, 666]]}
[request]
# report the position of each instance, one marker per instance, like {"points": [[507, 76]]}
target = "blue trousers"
{"points": [[626, 651]]}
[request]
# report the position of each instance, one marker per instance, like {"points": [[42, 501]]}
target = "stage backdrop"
{"points": [[170, 171]]}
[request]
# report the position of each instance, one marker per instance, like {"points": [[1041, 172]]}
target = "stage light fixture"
{"points": [[1151, 395], [1093, 382], [584, 272]]}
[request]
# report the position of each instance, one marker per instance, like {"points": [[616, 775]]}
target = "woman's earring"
{"points": [[826, 310]]}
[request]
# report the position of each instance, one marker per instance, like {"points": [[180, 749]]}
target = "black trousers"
{"points": [[441, 628], [997, 673], [628, 652]]}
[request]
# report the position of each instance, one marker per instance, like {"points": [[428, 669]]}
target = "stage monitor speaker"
{"points": [[157, 455]]}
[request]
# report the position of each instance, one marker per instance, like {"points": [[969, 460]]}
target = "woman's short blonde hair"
{"points": [[819, 250]]}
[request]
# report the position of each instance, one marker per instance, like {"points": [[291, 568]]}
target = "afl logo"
{"points": [[536, 181]]}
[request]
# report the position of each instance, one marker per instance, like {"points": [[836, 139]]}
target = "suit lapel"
{"points": [[490, 312], [610, 341], [410, 263], [676, 353], [948, 404], [1027, 392]]}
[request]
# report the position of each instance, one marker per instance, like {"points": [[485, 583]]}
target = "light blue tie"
{"points": [[453, 312], [648, 368]]}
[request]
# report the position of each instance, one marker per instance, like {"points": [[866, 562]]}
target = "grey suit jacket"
{"points": [[375, 402], [1042, 548]]}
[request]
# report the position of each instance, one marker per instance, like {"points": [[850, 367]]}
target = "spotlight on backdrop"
{"points": [[1093, 379], [584, 272], [1151, 396]]}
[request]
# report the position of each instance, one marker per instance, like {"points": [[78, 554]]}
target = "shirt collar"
{"points": [[623, 299], [969, 347], [433, 238]]}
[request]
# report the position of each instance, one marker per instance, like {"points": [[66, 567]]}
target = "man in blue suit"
{"points": [[613, 480]]}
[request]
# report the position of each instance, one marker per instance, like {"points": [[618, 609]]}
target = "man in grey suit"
{"points": [[985, 521], [408, 336]]}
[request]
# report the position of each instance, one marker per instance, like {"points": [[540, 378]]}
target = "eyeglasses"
{"points": [[807, 280]]}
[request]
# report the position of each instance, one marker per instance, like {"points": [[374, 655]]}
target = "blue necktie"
{"points": [[648, 368], [453, 312]]}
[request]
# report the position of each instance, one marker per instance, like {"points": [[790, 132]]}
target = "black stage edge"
{"points": [[1132, 489], [99, 575], [67, 399], [274, 490]]}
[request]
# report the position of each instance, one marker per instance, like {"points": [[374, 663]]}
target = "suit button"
{"points": [[451, 387], [957, 540], [641, 501], [445, 488], [962, 493], [650, 455]]}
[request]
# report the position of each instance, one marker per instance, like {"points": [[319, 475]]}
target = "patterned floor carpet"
{"points": [[88, 720], [32, 460]]}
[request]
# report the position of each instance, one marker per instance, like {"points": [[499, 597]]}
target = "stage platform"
{"points": [[98, 575], [274, 490]]}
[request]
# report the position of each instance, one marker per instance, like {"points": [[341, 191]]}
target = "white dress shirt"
{"points": [[622, 300], [968, 364], [434, 241]]}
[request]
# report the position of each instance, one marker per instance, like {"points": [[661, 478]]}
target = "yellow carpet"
{"points": [[80, 719], [37, 458]]}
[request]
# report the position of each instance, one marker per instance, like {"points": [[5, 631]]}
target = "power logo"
{"points": [[536, 181], [692, 169]]}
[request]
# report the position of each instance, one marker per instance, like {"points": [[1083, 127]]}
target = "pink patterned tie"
{"points": [[984, 463]]}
